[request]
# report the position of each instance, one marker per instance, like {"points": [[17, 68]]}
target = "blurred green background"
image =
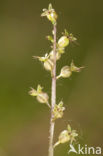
{"points": [[24, 123]]}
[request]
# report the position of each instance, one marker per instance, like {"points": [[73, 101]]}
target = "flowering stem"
{"points": [[53, 96]]}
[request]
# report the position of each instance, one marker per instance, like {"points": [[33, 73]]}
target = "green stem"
{"points": [[56, 144], [53, 97], [59, 76]]}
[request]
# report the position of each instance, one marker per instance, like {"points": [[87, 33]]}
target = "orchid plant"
{"points": [[49, 62]]}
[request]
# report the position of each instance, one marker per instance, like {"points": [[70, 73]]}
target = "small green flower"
{"points": [[66, 136], [50, 14], [58, 111], [48, 63], [66, 71], [66, 39], [40, 95]]}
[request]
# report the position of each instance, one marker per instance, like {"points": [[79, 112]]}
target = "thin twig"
{"points": [[53, 97]]}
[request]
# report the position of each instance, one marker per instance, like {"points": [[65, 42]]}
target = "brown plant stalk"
{"points": [[53, 96]]}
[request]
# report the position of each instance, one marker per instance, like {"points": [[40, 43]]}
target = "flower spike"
{"points": [[49, 61]]}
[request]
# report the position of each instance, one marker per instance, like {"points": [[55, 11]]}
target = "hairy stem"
{"points": [[53, 96]]}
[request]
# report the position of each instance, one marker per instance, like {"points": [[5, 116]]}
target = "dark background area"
{"points": [[24, 123]]}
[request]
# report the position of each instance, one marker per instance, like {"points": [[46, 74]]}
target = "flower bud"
{"points": [[48, 64], [63, 41], [42, 97], [66, 135], [50, 14], [58, 55]]}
